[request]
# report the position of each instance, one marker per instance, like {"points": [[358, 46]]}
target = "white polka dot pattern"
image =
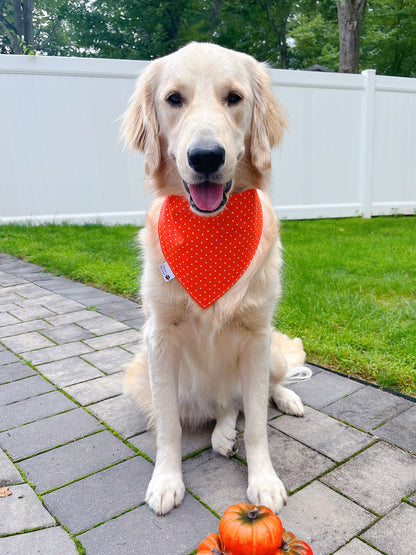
{"points": [[209, 254]]}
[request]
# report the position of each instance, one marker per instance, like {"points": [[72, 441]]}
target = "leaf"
{"points": [[5, 492]]}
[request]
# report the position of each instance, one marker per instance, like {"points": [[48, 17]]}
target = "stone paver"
{"points": [[22, 510], [47, 433], [217, 481], [178, 533], [74, 460], [83, 504], [109, 360], [396, 532], [121, 414], [27, 342], [325, 388], [349, 464], [98, 389], [52, 354], [49, 541], [15, 371], [295, 463], [8, 472], [69, 371], [67, 333], [192, 441], [357, 547], [34, 408], [327, 435], [368, 407], [324, 518], [22, 389], [377, 478], [401, 430]]}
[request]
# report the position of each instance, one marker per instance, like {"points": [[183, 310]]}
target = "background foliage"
{"points": [[286, 33]]}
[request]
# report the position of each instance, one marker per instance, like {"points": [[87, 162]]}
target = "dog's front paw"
{"points": [[165, 492], [267, 490]]}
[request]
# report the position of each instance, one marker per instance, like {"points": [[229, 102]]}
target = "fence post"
{"points": [[367, 142]]}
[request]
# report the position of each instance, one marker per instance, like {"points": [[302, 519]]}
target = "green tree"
{"points": [[389, 37]]}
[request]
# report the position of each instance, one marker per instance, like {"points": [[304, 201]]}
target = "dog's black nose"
{"points": [[206, 159]]}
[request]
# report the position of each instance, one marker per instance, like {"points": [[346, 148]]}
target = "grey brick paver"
{"points": [[7, 319], [377, 478], [109, 360], [323, 518], [31, 313], [27, 342], [22, 511], [76, 459], [113, 339], [102, 324], [8, 472], [6, 357], [324, 388], [24, 327], [51, 354], [15, 371], [295, 463], [69, 371], [33, 409], [101, 496], [67, 333], [395, 533], [357, 547], [178, 533], [401, 430], [121, 414], [368, 407], [328, 436], [47, 433], [49, 541], [23, 389], [218, 482], [98, 389]]}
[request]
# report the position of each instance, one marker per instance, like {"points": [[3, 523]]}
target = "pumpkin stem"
{"points": [[253, 514], [285, 546], [216, 551]]}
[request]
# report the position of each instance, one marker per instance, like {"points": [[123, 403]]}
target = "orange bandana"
{"points": [[209, 254]]}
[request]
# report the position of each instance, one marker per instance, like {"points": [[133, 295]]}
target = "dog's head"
{"points": [[206, 119]]}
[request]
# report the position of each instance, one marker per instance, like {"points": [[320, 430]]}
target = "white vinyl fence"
{"points": [[351, 148]]}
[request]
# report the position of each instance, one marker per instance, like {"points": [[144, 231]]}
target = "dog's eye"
{"points": [[175, 99], [233, 99]]}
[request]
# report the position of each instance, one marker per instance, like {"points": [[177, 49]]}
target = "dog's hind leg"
{"points": [[223, 437], [287, 356]]}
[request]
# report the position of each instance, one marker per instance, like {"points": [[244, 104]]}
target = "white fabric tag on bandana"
{"points": [[166, 272]]}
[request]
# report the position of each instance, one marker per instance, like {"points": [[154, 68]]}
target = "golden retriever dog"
{"points": [[206, 119]]}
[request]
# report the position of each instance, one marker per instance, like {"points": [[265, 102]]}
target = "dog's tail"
{"points": [[297, 374], [293, 368]]}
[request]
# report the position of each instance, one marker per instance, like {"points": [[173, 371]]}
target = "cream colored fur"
{"points": [[197, 365]]}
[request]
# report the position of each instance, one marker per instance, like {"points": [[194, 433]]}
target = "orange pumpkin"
{"points": [[251, 530], [292, 546], [213, 545]]}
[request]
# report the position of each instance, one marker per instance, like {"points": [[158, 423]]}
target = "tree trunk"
{"points": [[350, 20], [28, 23]]}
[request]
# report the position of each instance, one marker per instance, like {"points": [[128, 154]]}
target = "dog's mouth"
{"points": [[207, 197]]}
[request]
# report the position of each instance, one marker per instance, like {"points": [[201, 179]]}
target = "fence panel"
{"points": [[350, 149]]}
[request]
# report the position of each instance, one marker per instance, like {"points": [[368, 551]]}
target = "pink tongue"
{"points": [[207, 196]]}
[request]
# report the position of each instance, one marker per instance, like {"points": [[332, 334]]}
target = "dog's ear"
{"points": [[268, 119], [139, 128]]}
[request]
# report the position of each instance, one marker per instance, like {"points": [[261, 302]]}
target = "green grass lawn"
{"points": [[349, 285]]}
